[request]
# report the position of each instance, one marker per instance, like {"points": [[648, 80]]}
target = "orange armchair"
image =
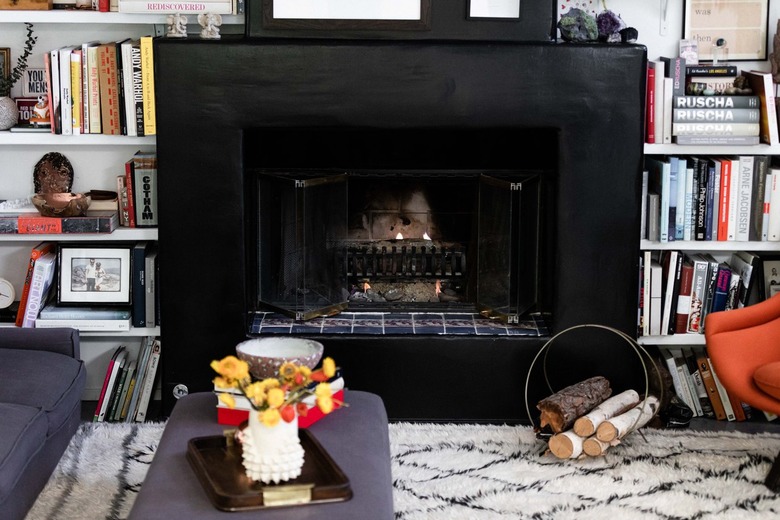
{"points": [[744, 347]]}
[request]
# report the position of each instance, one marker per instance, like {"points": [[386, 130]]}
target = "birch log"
{"points": [[586, 425], [566, 445], [561, 409], [594, 447], [621, 425]]}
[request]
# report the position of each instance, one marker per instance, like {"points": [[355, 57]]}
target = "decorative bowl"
{"points": [[266, 355], [61, 204]]}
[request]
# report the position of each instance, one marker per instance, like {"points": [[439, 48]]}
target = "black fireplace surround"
{"points": [[590, 96]]}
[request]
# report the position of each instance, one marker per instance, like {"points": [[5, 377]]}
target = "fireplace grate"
{"points": [[406, 261]]}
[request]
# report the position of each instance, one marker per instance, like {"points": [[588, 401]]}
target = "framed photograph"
{"points": [[494, 9], [5, 61], [741, 24], [413, 15], [91, 274], [771, 267]]}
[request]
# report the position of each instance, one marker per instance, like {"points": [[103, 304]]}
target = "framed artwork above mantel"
{"points": [[403, 15], [741, 25]]}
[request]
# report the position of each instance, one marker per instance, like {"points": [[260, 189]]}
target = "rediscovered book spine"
{"points": [[147, 76], [197, 7], [97, 221]]}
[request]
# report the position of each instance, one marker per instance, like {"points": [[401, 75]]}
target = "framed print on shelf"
{"points": [[5, 61], [494, 9], [741, 23], [412, 15], [91, 274]]}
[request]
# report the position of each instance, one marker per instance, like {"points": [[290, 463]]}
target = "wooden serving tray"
{"points": [[218, 465]]}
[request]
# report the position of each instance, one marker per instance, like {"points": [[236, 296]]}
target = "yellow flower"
{"points": [[255, 392], [270, 417], [325, 403], [329, 367], [231, 367], [275, 397], [221, 382], [228, 400], [323, 390], [270, 383], [288, 370]]}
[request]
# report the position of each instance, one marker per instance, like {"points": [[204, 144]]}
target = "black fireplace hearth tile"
{"points": [[402, 323]]}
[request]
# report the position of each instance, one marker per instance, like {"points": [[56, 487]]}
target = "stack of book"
{"points": [[700, 105], [85, 319], [137, 190], [240, 412]]}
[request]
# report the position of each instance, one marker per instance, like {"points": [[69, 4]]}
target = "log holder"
{"points": [[638, 349]]}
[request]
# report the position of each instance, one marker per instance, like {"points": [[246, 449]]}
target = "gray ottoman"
{"points": [[356, 437]]}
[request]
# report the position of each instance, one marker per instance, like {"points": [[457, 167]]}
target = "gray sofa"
{"points": [[41, 382]]}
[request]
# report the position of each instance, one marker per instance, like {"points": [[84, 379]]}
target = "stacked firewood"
{"points": [[586, 419]]}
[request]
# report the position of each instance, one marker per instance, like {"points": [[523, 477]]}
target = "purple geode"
{"points": [[609, 26]]}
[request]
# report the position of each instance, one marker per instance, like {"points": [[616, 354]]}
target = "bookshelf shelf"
{"points": [[676, 149], [119, 235], [49, 139], [708, 245], [64, 16]]}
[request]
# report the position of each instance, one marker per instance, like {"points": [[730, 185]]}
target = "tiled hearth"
{"points": [[399, 323]]}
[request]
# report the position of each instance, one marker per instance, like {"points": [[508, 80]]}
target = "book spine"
{"points": [[731, 227], [666, 110], [137, 88], [129, 125], [712, 389], [93, 64], [718, 115], [700, 202], [66, 103], [73, 313], [55, 107], [768, 182], [85, 325], [723, 200], [75, 89], [659, 101], [104, 389], [145, 189], [37, 251], [724, 396], [650, 105], [147, 77], [688, 209], [717, 140], [109, 95], [746, 129], [84, 106], [721, 289], [760, 171], [744, 194], [149, 379], [698, 294], [711, 70], [717, 102], [141, 6], [39, 287], [49, 88], [773, 228], [129, 182], [32, 225], [710, 201], [139, 285], [696, 85]]}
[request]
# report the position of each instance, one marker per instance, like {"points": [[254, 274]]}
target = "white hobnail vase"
{"points": [[9, 113], [272, 454]]}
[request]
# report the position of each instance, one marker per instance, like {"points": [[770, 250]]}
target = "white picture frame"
{"points": [[111, 275]]}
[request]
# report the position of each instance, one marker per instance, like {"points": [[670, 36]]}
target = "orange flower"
{"points": [[302, 409], [288, 413]]}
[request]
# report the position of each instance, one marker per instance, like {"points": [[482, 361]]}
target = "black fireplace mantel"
{"points": [[208, 92]]}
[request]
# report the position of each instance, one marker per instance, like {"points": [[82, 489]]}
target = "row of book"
{"points": [[38, 305], [697, 104], [678, 290], [99, 88], [710, 198], [129, 383], [696, 383]]}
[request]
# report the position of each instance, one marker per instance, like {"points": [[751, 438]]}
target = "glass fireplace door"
{"points": [[301, 271]]}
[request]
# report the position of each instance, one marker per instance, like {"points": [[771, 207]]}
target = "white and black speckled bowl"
{"points": [[266, 355]]}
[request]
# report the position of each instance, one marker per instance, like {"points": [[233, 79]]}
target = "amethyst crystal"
{"points": [[609, 26]]}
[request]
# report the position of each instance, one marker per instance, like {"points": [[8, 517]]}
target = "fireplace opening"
{"points": [[400, 220]]}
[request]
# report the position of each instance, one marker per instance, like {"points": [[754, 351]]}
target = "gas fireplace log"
{"points": [[619, 426], [586, 425], [566, 445], [561, 409]]}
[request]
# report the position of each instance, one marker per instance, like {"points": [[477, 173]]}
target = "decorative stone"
{"points": [[61, 204], [9, 113], [578, 26]]}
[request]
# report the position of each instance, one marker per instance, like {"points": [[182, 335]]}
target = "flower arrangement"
{"points": [[279, 398], [21, 63]]}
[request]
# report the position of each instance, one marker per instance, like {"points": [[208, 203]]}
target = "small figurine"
{"points": [[40, 117], [210, 23], [177, 26]]}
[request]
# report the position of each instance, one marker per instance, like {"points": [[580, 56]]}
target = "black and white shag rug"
{"points": [[477, 472]]}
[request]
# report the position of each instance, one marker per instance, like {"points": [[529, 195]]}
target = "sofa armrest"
{"points": [[61, 341]]}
